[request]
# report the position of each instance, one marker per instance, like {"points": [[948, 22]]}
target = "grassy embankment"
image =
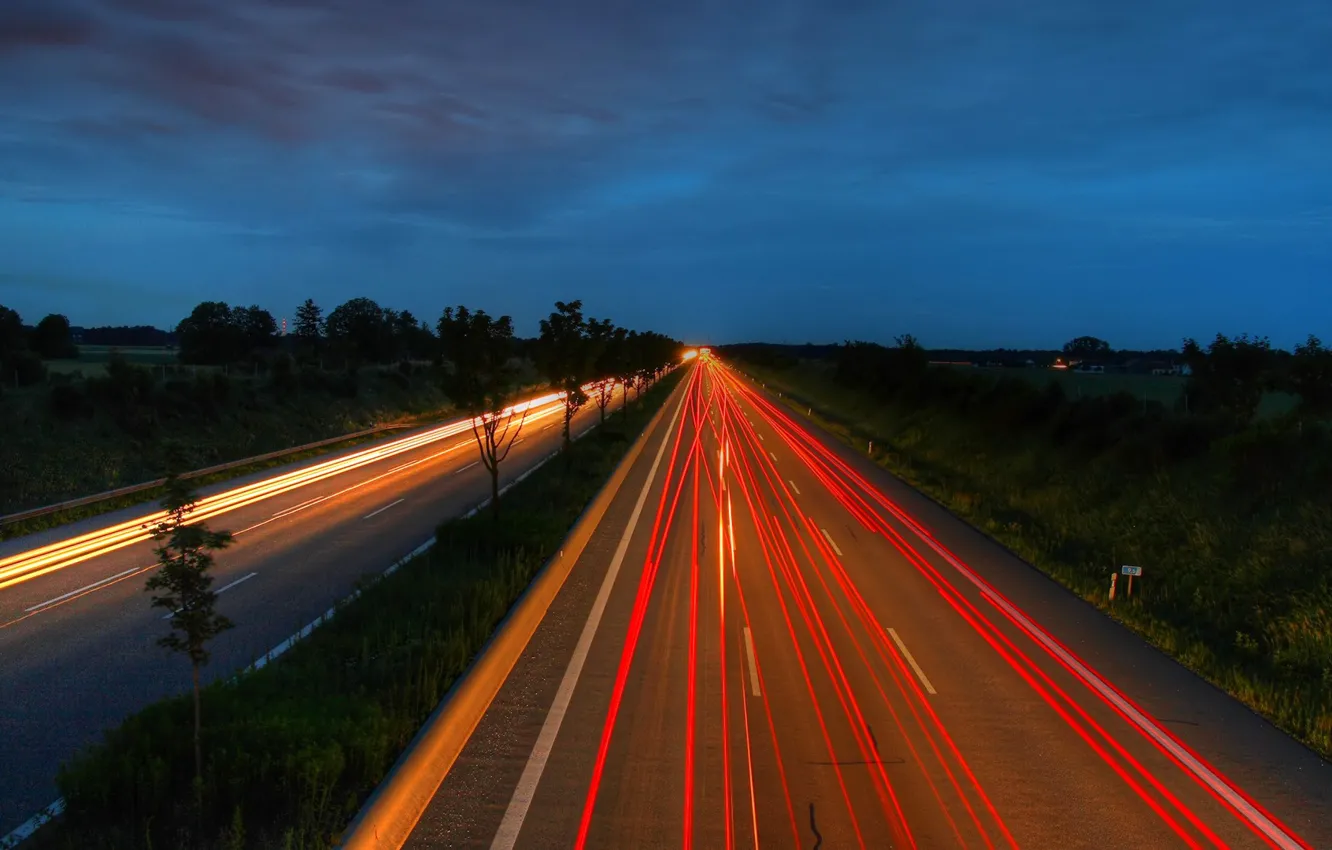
{"points": [[83, 436], [292, 750], [1233, 531]]}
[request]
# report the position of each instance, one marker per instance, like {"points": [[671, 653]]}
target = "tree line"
{"points": [[1226, 377], [572, 352]]}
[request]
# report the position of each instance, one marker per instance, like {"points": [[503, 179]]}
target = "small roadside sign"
{"points": [[1131, 571]]}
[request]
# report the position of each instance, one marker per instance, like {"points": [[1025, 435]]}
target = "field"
{"points": [[134, 354], [92, 359], [1166, 389]]}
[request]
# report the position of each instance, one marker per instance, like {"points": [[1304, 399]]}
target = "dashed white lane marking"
{"points": [[920, 674], [831, 542], [220, 590], [386, 507], [753, 667], [62, 597]]}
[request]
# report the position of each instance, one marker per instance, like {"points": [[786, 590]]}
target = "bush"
{"points": [[23, 369], [68, 402]]}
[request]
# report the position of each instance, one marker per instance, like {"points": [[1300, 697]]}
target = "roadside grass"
{"points": [[99, 435], [293, 749], [1233, 541], [429, 407]]}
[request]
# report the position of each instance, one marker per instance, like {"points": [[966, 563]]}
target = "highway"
{"points": [[78, 637], [767, 641]]}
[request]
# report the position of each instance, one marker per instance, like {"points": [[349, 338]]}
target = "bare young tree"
{"points": [[480, 349]]}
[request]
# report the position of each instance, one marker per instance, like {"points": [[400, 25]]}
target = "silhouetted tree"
{"points": [[603, 337], [361, 330], [12, 334], [1310, 377], [565, 357], [209, 335], [183, 586], [51, 339], [482, 381], [413, 338], [1086, 348], [256, 330], [308, 328], [1230, 376]]}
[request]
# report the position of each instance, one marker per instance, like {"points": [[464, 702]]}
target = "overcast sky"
{"points": [[971, 171]]}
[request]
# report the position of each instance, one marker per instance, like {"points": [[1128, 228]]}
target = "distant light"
{"points": [[690, 354]]}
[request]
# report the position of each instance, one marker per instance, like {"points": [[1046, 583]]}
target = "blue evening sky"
{"points": [[974, 172]]}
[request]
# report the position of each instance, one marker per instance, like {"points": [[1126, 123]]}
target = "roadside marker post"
{"points": [[1113, 578], [1130, 571]]}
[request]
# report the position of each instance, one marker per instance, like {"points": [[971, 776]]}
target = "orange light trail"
{"points": [[51, 557]]}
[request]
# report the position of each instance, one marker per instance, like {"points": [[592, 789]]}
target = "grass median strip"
{"points": [[293, 749]]}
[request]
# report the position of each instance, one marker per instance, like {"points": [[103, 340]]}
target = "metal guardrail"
{"points": [[83, 501]]}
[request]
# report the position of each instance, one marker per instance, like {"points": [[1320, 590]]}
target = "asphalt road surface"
{"points": [[78, 638], [793, 649]]}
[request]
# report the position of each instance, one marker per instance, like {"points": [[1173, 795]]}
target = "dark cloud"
{"points": [[356, 80], [720, 141], [43, 23]]}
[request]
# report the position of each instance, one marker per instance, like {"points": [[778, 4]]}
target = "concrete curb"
{"points": [[387, 819]]}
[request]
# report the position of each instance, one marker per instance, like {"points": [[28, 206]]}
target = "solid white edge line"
{"points": [[62, 597], [753, 665], [287, 644], [225, 588], [793, 486], [507, 834], [911, 659], [1146, 725], [831, 542], [375, 513]]}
